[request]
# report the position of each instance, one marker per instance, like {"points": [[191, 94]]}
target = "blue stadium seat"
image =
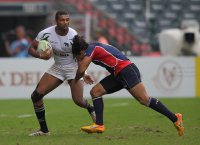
{"points": [[94, 1], [194, 6], [177, 1], [170, 14], [136, 7], [153, 14], [139, 27], [127, 14], [103, 6], [135, 1], [187, 14], [140, 23], [126, 22], [157, 7], [113, 13], [177, 7], [164, 22], [117, 6]]}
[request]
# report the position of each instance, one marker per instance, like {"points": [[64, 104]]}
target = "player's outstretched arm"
{"points": [[88, 79], [82, 66]]}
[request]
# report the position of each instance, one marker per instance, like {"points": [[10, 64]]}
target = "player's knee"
{"points": [[143, 99], [94, 93], [35, 97]]}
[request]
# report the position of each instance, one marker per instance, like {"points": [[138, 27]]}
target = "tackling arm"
{"points": [[82, 66]]}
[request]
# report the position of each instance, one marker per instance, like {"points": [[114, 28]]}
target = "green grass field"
{"points": [[126, 121]]}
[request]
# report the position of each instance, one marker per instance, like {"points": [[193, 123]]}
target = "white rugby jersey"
{"points": [[61, 45]]}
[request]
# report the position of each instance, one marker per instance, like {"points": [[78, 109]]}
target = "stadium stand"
{"points": [[127, 24]]}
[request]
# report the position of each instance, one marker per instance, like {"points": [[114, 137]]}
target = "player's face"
{"points": [[63, 22]]}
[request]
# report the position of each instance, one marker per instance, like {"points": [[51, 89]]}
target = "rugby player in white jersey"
{"points": [[65, 67]]}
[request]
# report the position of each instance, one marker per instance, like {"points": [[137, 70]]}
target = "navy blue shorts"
{"points": [[127, 78]]}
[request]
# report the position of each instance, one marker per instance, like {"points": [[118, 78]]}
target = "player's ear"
{"points": [[82, 52], [55, 22]]}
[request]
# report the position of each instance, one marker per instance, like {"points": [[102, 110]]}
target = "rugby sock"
{"points": [[89, 107], [40, 113], [156, 105], [98, 107]]}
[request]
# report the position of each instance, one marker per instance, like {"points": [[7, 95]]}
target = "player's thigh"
{"points": [[48, 83], [139, 93], [77, 90], [108, 85]]}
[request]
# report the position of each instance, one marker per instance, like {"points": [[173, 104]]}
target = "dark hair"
{"points": [[79, 44], [60, 13]]}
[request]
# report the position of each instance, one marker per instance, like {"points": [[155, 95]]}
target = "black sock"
{"points": [[98, 107], [40, 113], [89, 107], [156, 105]]}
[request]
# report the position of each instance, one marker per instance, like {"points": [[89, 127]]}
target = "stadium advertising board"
{"points": [[162, 77]]}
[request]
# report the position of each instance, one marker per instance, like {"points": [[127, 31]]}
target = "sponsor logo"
{"points": [[94, 127], [67, 44], [45, 36], [169, 76], [31, 78], [61, 54], [53, 42]]}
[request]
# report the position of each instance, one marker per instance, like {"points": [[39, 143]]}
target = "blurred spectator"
{"points": [[17, 48], [7, 38], [99, 36], [30, 35]]}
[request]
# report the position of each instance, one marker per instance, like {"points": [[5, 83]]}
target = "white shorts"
{"points": [[62, 73]]}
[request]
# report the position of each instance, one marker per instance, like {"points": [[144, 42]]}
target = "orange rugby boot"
{"points": [[94, 128], [179, 124]]}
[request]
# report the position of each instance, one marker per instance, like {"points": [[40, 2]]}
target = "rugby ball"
{"points": [[43, 45]]}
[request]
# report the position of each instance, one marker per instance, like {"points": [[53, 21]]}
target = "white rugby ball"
{"points": [[43, 45]]}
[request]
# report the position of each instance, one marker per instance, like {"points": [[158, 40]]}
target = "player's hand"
{"points": [[46, 55], [88, 79]]}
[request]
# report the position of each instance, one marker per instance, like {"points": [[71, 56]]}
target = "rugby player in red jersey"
{"points": [[123, 74]]}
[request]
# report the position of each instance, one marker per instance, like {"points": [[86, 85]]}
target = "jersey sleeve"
{"points": [[39, 36], [90, 52]]}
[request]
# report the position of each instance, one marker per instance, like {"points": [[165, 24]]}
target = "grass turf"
{"points": [[126, 121]]}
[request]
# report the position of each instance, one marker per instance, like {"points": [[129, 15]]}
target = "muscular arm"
{"points": [[32, 49], [82, 66]]}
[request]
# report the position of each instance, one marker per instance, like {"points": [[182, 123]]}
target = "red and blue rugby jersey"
{"points": [[107, 56]]}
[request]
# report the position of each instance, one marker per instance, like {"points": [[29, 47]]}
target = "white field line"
{"points": [[20, 116], [3, 115], [25, 115], [118, 105]]}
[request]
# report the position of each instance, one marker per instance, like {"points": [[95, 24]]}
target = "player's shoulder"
{"points": [[48, 30], [92, 46], [72, 31]]}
